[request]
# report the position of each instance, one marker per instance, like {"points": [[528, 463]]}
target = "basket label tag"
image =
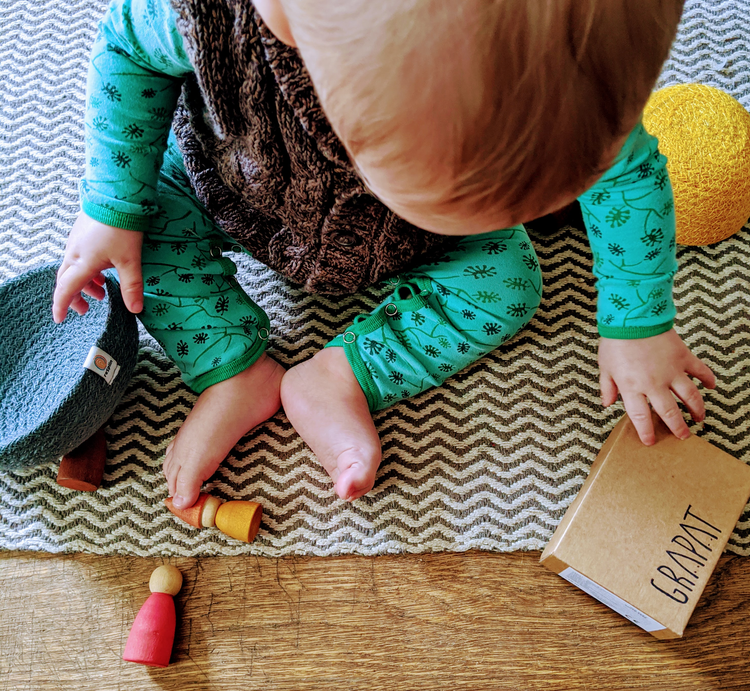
{"points": [[103, 364]]}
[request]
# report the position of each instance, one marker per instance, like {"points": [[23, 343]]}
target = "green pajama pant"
{"points": [[440, 317], [443, 316], [193, 305]]}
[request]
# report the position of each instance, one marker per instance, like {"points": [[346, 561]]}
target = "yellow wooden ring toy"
{"points": [[705, 135]]}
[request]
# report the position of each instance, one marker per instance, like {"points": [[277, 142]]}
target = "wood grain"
{"points": [[440, 621]]}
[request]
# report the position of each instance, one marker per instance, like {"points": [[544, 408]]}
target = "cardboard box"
{"points": [[649, 524]]}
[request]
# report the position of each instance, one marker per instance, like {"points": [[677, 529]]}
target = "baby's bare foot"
{"points": [[221, 416], [326, 405]]}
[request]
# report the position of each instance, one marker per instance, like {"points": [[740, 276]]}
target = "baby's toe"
{"points": [[356, 477], [171, 468], [187, 488]]}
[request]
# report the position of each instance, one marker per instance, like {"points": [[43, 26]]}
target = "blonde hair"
{"points": [[477, 105]]}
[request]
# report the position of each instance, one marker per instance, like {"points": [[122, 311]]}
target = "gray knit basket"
{"points": [[49, 402]]}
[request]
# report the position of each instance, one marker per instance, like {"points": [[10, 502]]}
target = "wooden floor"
{"points": [[440, 622]]}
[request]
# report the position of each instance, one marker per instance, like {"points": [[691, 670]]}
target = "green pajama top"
{"points": [[137, 66]]}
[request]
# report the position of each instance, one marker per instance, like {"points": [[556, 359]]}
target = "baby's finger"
{"points": [[58, 311], [69, 284], [636, 406], [79, 304], [95, 290], [63, 268], [688, 393], [131, 285], [702, 372], [668, 410], [608, 389]]}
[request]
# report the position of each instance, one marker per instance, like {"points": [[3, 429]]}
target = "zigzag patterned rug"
{"points": [[491, 460]]}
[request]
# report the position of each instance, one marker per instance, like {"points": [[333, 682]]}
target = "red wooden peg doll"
{"points": [[152, 635]]}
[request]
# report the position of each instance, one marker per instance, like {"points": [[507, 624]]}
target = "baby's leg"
{"points": [[325, 403], [221, 416], [440, 318], [213, 332]]}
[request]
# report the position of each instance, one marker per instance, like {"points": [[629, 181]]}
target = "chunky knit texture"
{"points": [[265, 162], [49, 404]]}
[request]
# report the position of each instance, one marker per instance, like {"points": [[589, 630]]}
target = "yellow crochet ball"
{"points": [[705, 135]]}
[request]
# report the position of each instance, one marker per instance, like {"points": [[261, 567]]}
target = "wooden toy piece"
{"points": [[237, 519], [82, 469], [202, 514], [152, 634]]}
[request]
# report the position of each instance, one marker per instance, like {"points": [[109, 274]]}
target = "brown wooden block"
{"points": [[201, 514], [239, 519], [83, 468]]}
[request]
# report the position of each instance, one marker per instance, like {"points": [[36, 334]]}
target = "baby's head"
{"points": [[464, 116]]}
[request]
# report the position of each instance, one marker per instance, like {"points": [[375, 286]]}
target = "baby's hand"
{"points": [[93, 247], [650, 370]]}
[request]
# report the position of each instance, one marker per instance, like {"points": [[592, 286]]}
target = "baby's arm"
{"points": [[629, 216], [136, 70]]}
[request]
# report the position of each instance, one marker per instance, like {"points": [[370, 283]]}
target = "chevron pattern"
{"points": [[491, 460], [712, 48]]}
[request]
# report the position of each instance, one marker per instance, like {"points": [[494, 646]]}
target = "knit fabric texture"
{"points": [[266, 164], [49, 403]]}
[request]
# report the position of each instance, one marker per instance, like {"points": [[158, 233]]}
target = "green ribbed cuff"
{"points": [[200, 383], [220, 374], [633, 332], [363, 376], [117, 219]]}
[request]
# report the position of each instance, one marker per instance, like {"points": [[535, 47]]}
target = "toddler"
{"points": [[345, 143]]}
